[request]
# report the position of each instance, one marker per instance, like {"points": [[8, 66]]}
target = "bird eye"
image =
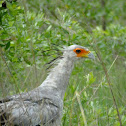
{"points": [[78, 51]]}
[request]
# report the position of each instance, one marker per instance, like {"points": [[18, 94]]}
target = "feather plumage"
{"points": [[44, 104]]}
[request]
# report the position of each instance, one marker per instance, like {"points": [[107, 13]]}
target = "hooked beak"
{"points": [[91, 56]]}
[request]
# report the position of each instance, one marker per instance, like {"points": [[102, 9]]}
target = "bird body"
{"points": [[44, 104]]}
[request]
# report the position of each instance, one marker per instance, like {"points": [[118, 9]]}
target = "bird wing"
{"points": [[30, 109]]}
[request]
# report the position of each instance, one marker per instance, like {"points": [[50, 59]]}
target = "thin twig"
{"points": [[102, 80], [109, 82], [81, 108]]}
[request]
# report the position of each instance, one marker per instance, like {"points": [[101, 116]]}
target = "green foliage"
{"points": [[34, 32]]}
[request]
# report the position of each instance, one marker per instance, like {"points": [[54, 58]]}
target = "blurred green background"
{"points": [[33, 32]]}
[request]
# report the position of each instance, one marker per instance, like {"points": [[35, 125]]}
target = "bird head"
{"points": [[77, 51]]}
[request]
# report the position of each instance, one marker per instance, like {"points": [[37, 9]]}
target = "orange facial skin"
{"points": [[81, 52]]}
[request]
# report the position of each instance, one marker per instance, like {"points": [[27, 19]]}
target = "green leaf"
{"points": [[7, 45], [2, 45]]}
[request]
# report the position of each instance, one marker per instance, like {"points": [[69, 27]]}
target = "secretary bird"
{"points": [[43, 105]]}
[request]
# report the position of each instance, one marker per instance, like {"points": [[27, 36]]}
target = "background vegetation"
{"points": [[33, 32]]}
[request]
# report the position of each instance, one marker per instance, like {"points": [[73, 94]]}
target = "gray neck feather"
{"points": [[58, 78]]}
